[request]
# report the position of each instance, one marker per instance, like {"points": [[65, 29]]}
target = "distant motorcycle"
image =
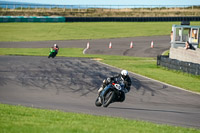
{"points": [[113, 92], [53, 52]]}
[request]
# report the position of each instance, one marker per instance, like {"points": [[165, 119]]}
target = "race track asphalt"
{"points": [[70, 84], [120, 46]]}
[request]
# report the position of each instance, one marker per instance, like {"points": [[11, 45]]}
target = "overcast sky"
{"points": [[112, 2]]}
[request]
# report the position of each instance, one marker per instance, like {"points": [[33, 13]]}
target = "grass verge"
{"points": [[19, 119], [144, 66], [87, 30]]}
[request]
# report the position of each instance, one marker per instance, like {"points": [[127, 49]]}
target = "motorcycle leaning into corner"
{"points": [[113, 92], [53, 51]]}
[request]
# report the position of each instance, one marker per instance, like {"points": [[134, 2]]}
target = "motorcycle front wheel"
{"points": [[98, 102], [108, 98]]}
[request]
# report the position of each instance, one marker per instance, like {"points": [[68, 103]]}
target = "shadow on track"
{"points": [[68, 75]]}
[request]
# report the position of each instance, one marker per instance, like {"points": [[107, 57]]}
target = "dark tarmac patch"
{"points": [[66, 74]]}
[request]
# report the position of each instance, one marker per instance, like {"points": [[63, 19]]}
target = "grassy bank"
{"points": [[104, 11], [87, 30], [143, 66], [16, 119]]}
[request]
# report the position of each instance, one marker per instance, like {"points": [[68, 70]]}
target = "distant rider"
{"points": [[122, 76], [55, 49]]}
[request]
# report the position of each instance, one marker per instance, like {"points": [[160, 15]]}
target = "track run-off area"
{"points": [[71, 84]]}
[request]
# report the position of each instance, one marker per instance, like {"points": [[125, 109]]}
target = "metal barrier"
{"points": [[93, 19], [32, 19], [177, 65], [130, 19]]}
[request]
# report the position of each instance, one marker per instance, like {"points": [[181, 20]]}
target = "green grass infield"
{"points": [[19, 119], [86, 30]]}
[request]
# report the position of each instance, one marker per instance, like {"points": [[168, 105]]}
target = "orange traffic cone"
{"points": [[110, 45], [131, 45], [152, 44], [88, 45]]}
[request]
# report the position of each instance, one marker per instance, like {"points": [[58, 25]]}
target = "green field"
{"points": [[86, 30], [23, 119], [18, 119]]}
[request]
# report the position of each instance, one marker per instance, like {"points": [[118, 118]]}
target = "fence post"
{"points": [[158, 60]]}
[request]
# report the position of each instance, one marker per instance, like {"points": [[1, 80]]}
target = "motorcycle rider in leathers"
{"points": [[123, 76], [56, 48]]}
